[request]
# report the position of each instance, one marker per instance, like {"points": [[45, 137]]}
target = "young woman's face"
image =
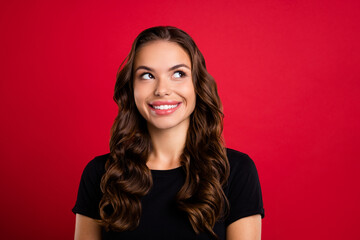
{"points": [[163, 87]]}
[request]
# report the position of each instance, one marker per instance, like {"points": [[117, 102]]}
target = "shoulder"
{"points": [[239, 161], [96, 167], [89, 192], [243, 171], [243, 187]]}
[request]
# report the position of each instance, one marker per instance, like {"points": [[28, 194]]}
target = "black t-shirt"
{"points": [[160, 218]]}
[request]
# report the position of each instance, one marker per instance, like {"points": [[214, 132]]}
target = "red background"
{"points": [[287, 72]]}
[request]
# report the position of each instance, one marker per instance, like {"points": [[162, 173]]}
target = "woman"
{"points": [[168, 174]]}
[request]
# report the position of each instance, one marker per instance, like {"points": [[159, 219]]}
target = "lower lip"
{"points": [[164, 111]]}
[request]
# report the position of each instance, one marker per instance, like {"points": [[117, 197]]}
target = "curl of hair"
{"points": [[127, 177]]}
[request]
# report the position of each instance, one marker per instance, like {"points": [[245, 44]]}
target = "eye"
{"points": [[146, 76], [179, 74]]}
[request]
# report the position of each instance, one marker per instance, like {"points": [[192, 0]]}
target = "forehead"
{"points": [[161, 54]]}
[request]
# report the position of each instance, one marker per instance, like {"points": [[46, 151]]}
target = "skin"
{"points": [[86, 228], [247, 228], [165, 81], [162, 71]]}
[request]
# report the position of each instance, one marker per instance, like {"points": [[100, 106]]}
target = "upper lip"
{"points": [[158, 103]]}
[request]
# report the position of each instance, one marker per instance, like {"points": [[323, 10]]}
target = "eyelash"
{"points": [[183, 74], [143, 74]]}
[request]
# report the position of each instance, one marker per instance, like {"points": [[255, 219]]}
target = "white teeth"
{"points": [[162, 107]]}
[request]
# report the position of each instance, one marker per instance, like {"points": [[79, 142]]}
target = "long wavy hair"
{"points": [[127, 177]]}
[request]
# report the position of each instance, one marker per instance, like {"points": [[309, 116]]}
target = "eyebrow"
{"points": [[170, 69]]}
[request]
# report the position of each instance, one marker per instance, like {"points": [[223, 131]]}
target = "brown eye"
{"points": [[179, 74], [146, 76]]}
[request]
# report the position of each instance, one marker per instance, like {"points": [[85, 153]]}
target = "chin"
{"points": [[163, 125]]}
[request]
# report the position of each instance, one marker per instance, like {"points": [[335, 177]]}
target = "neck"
{"points": [[168, 145]]}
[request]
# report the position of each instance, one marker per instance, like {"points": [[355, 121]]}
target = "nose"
{"points": [[162, 87]]}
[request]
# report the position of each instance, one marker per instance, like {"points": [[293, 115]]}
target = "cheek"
{"points": [[193, 102], [189, 93], [139, 93], [193, 97], [138, 97], [192, 93]]}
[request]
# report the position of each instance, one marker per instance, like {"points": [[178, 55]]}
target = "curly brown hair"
{"points": [[204, 159]]}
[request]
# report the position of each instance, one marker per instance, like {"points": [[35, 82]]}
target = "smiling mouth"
{"points": [[164, 107]]}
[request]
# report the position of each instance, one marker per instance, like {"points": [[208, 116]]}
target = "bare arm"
{"points": [[86, 228], [247, 228]]}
